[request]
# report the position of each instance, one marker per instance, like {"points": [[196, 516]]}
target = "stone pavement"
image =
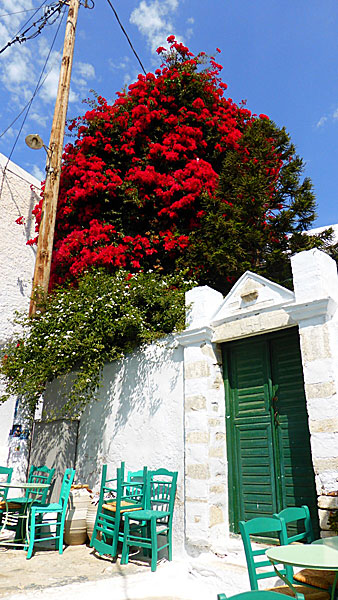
{"points": [[80, 574]]}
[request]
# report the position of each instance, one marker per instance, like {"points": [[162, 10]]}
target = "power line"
{"points": [[18, 12], [127, 36], [32, 17], [37, 87], [38, 25], [29, 102]]}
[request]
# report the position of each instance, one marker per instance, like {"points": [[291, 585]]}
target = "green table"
{"points": [[35, 491], [320, 555], [329, 542]]}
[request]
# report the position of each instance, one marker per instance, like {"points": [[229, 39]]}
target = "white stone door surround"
{"points": [[255, 305]]}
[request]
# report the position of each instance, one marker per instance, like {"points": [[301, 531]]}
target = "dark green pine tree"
{"points": [[260, 214]]}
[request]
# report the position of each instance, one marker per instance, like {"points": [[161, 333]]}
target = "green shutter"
{"points": [[297, 476], [269, 453]]}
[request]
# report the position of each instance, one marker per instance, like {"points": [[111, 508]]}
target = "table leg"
{"points": [[289, 584], [334, 585]]}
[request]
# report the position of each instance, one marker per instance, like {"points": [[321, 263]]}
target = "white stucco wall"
{"points": [[16, 270], [138, 419], [165, 405]]}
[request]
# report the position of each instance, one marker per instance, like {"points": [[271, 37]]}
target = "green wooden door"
{"points": [[269, 454]]}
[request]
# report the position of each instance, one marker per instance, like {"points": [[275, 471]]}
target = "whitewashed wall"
{"points": [[138, 418], [165, 405], [16, 270]]}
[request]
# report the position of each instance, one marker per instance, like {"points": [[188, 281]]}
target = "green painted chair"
{"points": [[299, 518], [117, 498], [259, 567], [142, 528], [18, 506], [5, 477], [41, 474], [37, 512], [256, 595]]}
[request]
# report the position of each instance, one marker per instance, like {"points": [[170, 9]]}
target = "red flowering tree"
{"points": [[175, 175]]}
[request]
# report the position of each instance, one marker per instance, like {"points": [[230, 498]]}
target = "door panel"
{"points": [[295, 451], [256, 474], [270, 464], [249, 380]]}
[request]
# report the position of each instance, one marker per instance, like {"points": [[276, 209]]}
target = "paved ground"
{"points": [[79, 574], [48, 568]]}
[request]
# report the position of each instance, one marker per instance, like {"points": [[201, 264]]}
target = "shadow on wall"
{"points": [[133, 391], [54, 445], [54, 441]]}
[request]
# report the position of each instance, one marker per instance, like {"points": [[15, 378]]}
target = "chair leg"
{"points": [[61, 532], [92, 539], [115, 538], [153, 544], [146, 532], [31, 535], [170, 548], [125, 547]]}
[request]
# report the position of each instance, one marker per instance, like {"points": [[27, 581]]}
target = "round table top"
{"points": [[330, 542], [314, 556], [25, 486]]}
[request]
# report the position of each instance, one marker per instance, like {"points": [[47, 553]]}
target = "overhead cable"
{"points": [[127, 36], [37, 26], [18, 12], [37, 87]]}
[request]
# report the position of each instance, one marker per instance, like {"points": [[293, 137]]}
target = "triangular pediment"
{"points": [[252, 293]]}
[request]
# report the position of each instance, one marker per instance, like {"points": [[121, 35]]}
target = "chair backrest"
{"points": [[256, 558], [252, 595], [161, 490], [298, 518], [5, 477], [133, 490], [65, 488], [136, 482], [41, 474]]}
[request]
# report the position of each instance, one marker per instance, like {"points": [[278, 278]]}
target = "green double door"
{"points": [[268, 442]]}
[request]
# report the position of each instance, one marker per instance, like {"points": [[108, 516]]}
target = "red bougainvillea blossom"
{"points": [[136, 181]]}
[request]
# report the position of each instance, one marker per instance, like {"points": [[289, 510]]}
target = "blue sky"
{"points": [[279, 56]]}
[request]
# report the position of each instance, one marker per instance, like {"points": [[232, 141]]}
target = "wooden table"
{"points": [[320, 555], [35, 490]]}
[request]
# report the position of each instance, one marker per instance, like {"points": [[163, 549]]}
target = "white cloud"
{"points": [[49, 88], [81, 73], [332, 117], [85, 70], [124, 63], [154, 20], [21, 64], [321, 121], [37, 172], [37, 117]]}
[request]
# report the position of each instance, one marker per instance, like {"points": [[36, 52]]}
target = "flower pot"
{"points": [[90, 519], [75, 523]]}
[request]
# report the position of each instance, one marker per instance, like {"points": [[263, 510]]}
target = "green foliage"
{"points": [[83, 328], [260, 213]]}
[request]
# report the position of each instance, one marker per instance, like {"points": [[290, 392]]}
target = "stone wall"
{"points": [[254, 306]]}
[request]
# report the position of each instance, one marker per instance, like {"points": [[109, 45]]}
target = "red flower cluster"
{"points": [[132, 184]]}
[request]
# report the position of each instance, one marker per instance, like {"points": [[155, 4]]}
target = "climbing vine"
{"points": [[82, 328]]}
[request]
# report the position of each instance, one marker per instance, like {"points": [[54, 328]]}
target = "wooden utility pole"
{"points": [[53, 165]]}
